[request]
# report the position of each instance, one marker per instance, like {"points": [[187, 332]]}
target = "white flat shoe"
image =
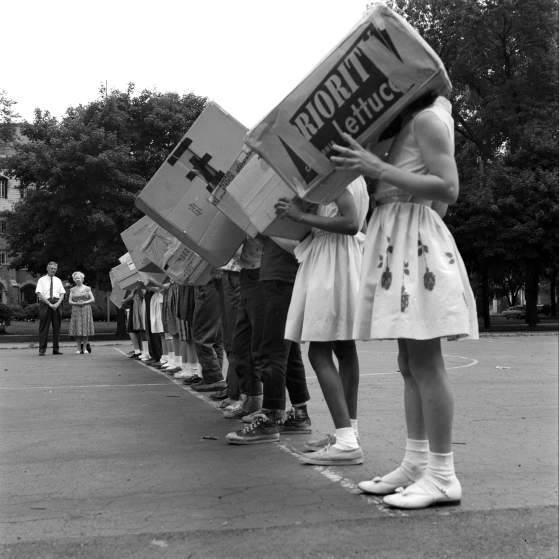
{"points": [[377, 486], [425, 493]]}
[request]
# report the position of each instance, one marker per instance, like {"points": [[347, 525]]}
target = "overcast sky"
{"points": [[244, 54]]}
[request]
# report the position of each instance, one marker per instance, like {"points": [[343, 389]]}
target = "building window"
{"points": [[3, 187], [3, 257], [2, 226]]}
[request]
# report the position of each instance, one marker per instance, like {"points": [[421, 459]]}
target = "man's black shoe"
{"points": [[41, 353], [57, 353]]}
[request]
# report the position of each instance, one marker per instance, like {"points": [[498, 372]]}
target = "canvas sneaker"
{"points": [[261, 430], [249, 417], [332, 456], [297, 421], [317, 444]]}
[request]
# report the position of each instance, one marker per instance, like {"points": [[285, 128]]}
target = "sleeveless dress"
{"points": [[324, 299], [413, 281], [155, 315], [81, 319]]}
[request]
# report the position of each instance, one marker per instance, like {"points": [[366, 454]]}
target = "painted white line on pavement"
{"points": [[177, 382], [80, 386], [471, 362], [348, 485]]}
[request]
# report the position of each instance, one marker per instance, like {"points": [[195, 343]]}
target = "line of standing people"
{"points": [[400, 277]]}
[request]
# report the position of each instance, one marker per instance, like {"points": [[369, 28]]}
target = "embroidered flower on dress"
{"points": [[404, 299], [386, 278], [429, 279]]}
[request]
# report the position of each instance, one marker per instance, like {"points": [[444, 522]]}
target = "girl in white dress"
{"points": [[322, 311], [414, 287]]}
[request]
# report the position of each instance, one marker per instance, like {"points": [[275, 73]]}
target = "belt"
{"points": [[404, 198]]}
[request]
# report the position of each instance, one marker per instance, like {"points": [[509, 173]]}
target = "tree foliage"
{"points": [[7, 117], [501, 56], [87, 170]]}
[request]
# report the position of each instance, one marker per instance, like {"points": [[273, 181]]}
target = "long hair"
{"points": [[426, 100]]}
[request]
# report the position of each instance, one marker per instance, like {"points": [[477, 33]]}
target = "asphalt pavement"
{"points": [[104, 457]]}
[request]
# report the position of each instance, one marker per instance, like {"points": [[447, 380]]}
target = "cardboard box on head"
{"points": [[117, 293], [125, 276], [247, 195], [178, 261], [366, 81], [176, 197], [133, 238]]}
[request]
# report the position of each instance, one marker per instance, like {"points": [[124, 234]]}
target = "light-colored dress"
{"points": [[81, 320], [155, 313], [323, 303], [413, 282]]}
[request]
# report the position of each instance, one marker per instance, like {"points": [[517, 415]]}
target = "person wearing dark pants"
{"points": [[207, 335], [281, 364], [231, 292], [50, 294]]}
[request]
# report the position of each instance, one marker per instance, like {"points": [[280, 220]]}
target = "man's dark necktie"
{"points": [[50, 296]]}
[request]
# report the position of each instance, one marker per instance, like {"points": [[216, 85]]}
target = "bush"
{"points": [[31, 311], [5, 315], [18, 312]]}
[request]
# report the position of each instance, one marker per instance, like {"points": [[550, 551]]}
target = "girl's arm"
{"points": [[345, 223], [71, 298], [287, 244], [435, 144]]}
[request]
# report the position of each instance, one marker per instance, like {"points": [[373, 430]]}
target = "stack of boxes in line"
{"points": [[220, 183]]}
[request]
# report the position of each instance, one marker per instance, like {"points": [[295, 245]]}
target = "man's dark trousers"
{"points": [[47, 315]]}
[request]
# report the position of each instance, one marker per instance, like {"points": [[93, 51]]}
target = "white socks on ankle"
{"points": [[346, 439], [413, 465]]}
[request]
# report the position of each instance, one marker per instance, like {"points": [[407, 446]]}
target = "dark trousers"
{"points": [[248, 332], [230, 282], [207, 329], [48, 316], [282, 362]]}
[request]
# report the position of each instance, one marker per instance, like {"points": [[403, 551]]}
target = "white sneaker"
{"points": [[181, 374]]}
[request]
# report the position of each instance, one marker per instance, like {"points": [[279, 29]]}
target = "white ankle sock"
{"points": [[413, 465], [415, 458], [355, 427], [346, 439], [440, 467]]}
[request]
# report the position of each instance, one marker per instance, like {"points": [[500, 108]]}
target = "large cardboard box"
{"points": [[247, 195], [358, 88], [176, 197], [125, 276], [133, 237], [178, 261], [117, 293]]}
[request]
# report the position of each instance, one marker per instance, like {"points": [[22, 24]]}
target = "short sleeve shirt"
{"points": [[43, 287]]}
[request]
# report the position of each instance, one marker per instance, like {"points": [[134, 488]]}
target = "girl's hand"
{"points": [[356, 158], [289, 208]]}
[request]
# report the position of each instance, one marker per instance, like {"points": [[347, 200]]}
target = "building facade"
{"points": [[16, 286]]}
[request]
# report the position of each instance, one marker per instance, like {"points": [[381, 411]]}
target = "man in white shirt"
{"points": [[50, 294]]}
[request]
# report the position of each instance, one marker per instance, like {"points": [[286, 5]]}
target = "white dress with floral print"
{"points": [[324, 299], [413, 282]]}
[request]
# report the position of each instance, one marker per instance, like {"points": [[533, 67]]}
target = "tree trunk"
{"points": [[553, 291], [532, 278], [485, 296]]}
